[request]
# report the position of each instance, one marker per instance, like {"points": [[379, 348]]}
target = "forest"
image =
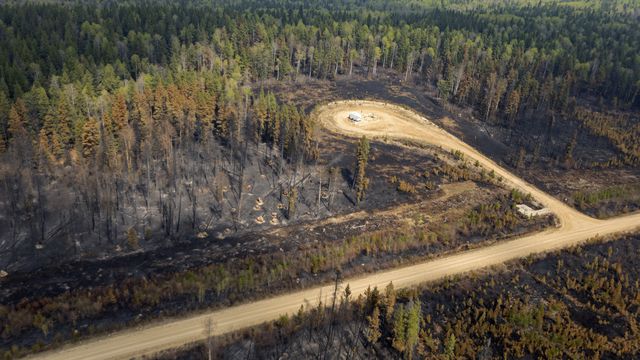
{"points": [[126, 120], [180, 135]]}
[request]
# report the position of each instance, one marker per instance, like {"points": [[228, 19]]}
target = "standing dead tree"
{"points": [[208, 334]]}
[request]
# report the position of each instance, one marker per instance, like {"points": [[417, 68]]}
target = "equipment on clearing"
{"points": [[355, 116]]}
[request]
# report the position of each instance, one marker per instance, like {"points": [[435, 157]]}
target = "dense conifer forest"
{"points": [[159, 157]]}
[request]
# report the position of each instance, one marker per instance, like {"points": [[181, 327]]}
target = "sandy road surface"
{"points": [[392, 122]]}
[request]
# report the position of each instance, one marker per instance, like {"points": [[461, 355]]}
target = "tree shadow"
{"points": [[347, 175]]}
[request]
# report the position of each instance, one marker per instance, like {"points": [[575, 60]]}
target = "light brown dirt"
{"points": [[394, 122], [391, 122]]}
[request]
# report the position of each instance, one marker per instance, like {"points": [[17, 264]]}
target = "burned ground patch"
{"points": [[91, 297], [536, 148], [581, 302]]}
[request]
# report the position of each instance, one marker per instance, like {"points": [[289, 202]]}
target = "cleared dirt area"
{"points": [[391, 122], [544, 141]]}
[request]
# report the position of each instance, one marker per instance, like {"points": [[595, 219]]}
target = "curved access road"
{"points": [[394, 123]]}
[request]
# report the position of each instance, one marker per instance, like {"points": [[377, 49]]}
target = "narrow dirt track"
{"points": [[391, 122]]}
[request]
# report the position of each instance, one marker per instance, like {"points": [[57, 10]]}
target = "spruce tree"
{"points": [[221, 122], [360, 181], [44, 153], [399, 329], [373, 331], [5, 107], [390, 300], [119, 113], [65, 122], [274, 128], [48, 132], [90, 138], [17, 119], [412, 328], [38, 103]]}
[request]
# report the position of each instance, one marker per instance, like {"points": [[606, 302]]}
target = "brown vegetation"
{"points": [[86, 311], [578, 303]]}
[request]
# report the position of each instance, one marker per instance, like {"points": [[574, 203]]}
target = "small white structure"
{"points": [[527, 211], [355, 116]]}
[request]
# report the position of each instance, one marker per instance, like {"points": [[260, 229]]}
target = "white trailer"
{"points": [[355, 116]]}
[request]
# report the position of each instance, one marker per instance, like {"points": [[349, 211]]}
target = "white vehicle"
{"points": [[355, 116]]}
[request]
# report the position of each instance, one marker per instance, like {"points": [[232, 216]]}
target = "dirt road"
{"points": [[394, 123]]}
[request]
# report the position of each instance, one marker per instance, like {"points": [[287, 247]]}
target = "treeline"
{"points": [[191, 108], [510, 63], [159, 155], [500, 58], [609, 200], [622, 129]]}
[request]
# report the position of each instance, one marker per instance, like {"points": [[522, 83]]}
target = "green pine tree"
{"points": [[373, 330], [360, 181]]}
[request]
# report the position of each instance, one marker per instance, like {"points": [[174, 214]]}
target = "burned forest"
{"points": [[306, 179]]}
